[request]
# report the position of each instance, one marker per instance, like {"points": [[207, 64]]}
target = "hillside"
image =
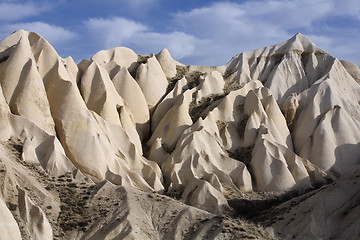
{"points": [[127, 146]]}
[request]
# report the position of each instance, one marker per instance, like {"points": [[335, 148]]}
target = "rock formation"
{"points": [[131, 146]]}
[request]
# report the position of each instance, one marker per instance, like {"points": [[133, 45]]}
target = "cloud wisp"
{"points": [[56, 35], [236, 27], [10, 12], [113, 31], [119, 31], [13, 16]]}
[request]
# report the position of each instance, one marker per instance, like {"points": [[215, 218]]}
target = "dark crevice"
{"points": [[242, 154], [168, 149], [267, 209], [3, 59]]}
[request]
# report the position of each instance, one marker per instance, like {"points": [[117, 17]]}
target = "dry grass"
{"points": [[227, 74], [195, 110], [220, 125], [143, 58], [232, 86], [193, 79], [180, 73]]}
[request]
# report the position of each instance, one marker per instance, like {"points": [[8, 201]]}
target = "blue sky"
{"points": [[195, 32]]}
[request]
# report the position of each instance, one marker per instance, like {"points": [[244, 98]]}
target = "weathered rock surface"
{"points": [[142, 147]]}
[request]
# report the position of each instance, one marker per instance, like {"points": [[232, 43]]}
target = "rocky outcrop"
{"points": [[328, 213], [9, 227], [158, 142]]}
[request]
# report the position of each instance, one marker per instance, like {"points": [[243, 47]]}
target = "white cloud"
{"points": [[179, 44], [131, 7], [55, 35], [113, 31], [139, 3], [118, 31], [10, 12], [349, 8], [231, 28], [252, 19], [129, 2], [211, 35], [228, 29]]}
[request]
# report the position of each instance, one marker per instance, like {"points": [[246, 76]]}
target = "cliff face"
{"points": [[143, 147]]}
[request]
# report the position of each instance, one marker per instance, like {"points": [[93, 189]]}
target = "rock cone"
{"points": [[131, 146]]}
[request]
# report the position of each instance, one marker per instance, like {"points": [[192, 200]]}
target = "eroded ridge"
{"points": [[143, 147]]}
